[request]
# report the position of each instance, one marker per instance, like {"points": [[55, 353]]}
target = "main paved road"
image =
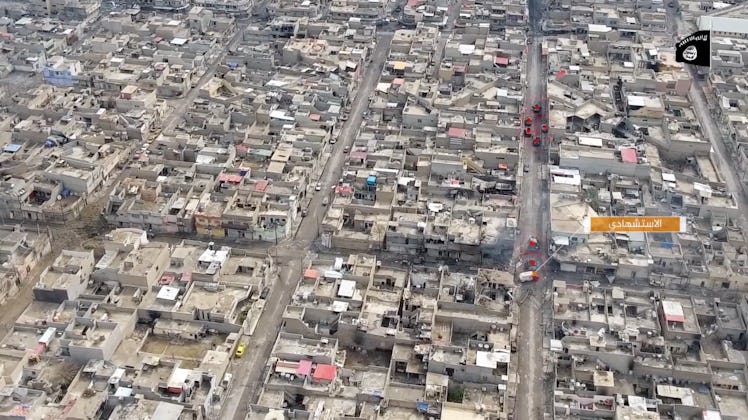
{"points": [[533, 222], [291, 254]]}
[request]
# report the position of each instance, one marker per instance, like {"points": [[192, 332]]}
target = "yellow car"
{"points": [[240, 349]]}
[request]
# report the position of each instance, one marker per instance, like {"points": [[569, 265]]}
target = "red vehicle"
{"points": [[544, 128], [536, 108], [528, 121], [533, 243], [536, 141], [532, 264], [528, 132]]}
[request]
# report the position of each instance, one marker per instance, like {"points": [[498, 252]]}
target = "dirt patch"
{"points": [[154, 347], [355, 359], [180, 349]]}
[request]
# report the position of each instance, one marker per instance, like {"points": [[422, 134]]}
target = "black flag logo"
{"points": [[694, 49]]}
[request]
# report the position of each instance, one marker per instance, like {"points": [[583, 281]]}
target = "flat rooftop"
{"points": [[222, 300]]}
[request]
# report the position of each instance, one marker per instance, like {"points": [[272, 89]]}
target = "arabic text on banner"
{"points": [[636, 224]]}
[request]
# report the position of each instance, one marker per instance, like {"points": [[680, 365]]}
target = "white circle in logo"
{"points": [[690, 53]]}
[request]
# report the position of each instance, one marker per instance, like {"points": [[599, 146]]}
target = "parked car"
{"points": [[240, 350], [318, 186]]}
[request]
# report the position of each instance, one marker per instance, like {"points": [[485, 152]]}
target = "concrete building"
{"points": [[606, 337], [66, 279], [60, 72], [353, 301], [20, 252]]}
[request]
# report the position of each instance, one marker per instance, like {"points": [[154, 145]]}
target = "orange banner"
{"points": [[638, 224]]}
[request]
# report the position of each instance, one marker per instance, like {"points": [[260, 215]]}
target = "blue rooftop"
{"points": [[12, 148]]}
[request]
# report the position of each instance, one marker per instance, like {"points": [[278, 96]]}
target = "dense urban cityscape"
{"points": [[373, 209]]}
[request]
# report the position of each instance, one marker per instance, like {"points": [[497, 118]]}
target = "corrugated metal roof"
{"points": [[628, 155], [673, 311], [325, 372], [12, 148]]}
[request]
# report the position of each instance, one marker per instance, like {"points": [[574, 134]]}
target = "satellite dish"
{"points": [[59, 197]]}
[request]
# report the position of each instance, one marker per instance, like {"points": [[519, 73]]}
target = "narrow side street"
{"points": [[719, 150], [175, 117], [706, 117], [446, 33], [291, 254]]}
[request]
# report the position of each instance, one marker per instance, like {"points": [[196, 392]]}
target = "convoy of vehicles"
{"points": [[537, 141], [533, 262]]}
